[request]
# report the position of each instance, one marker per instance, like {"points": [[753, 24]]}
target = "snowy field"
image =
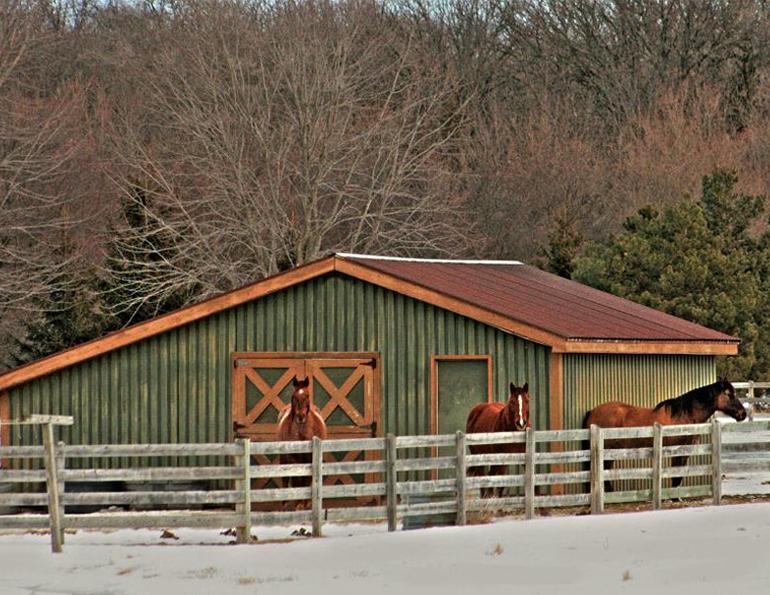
{"points": [[697, 550]]}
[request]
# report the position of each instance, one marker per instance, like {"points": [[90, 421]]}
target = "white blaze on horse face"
{"points": [[521, 409]]}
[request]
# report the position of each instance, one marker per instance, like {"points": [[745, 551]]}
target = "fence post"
{"points": [[61, 464], [243, 533], [316, 486], [52, 483], [460, 475], [751, 400], [657, 465], [716, 460], [529, 474], [597, 470], [391, 493]]}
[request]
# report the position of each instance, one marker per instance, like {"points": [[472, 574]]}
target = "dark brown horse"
{"points": [[300, 420], [693, 407], [512, 416]]}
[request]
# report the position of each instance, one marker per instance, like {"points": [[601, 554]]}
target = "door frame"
{"points": [[434, 361], [235, 356], [5, 428]]}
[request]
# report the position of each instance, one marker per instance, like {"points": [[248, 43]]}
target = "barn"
{"points": [[395, 345]]}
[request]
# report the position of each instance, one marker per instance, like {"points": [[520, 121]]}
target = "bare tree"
{"points": [[274, 142], [34, 152]]}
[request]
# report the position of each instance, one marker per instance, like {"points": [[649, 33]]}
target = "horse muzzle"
{"points": [[741, 414], [520, 426]]}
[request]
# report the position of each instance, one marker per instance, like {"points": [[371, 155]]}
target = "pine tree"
{"points": [[68, 315], [695, 260], [135, 249], [564, 243]]}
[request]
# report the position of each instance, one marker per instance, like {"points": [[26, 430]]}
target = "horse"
{"points": [[693, 407], [512, 416], [300, 420]]}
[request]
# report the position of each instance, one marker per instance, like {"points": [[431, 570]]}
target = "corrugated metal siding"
{"points": [[642, 380], [175, 387]]}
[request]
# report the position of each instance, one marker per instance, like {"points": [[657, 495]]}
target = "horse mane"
{"points": [[701, 397]]}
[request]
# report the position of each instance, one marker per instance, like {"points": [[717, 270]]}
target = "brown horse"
{"points": [[299, 420], [693, 407], [512, 416]]}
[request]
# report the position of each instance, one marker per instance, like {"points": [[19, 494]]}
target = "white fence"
{"points": [[552, 471]]}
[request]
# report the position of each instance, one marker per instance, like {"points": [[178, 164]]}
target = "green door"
{"points": [[461, 384]]}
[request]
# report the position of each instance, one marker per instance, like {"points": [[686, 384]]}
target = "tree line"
{"points": [[154, 153]]}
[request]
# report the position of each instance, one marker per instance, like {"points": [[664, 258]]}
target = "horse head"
{"points": [[300, 400], [518, 406], [727, 402]]}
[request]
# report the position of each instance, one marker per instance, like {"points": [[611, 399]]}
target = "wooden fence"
{"points": [[399, 484]]}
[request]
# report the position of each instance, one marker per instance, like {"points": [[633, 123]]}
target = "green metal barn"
{"points": [[391, 345]]}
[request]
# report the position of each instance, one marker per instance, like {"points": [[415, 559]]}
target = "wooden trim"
{"points": [[164, 323], [556, 389], [648, 347], [5, 430], [434, 360], [287, 359], [254, 355], [556, 409]]}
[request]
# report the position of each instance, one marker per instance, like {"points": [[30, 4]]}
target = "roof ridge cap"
{"points": [[426, 260]]}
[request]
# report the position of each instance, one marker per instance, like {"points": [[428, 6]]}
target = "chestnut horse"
{"points": [[693, 407], [512, 416], [299, 420]]}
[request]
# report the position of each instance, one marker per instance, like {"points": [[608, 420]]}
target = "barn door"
{"points": [[344, 387]]}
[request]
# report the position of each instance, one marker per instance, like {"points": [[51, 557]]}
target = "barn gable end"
{"points": [[175, 386]]}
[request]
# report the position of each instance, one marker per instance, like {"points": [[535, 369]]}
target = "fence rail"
{"points": [[553, 470]]}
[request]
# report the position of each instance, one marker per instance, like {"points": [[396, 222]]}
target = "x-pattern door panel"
{"points": [[344, 387]]}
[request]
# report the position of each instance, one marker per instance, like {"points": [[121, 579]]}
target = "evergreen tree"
{"points": [[138, 248], [564, 242], [68, 315], [695, 260]]}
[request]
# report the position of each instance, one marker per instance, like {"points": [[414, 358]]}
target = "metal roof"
{"points": [[546, 301]]}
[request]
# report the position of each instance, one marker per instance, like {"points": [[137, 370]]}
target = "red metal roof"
{"points": [[542, 300]]}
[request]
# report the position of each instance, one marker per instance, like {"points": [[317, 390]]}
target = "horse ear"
{"points": [[306, 383], [525, 388], [295, 382], [512, 387]]}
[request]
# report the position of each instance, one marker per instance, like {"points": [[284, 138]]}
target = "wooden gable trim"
{"points": [[5, 429], [164, 323]]}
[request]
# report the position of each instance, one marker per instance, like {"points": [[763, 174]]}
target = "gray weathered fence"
{"points": [[399, 484]]}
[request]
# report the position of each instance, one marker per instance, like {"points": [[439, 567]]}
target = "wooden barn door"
{"points": [[344, 386]]}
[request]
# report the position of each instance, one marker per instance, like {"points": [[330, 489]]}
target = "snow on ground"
{"points": [[684, 551]]}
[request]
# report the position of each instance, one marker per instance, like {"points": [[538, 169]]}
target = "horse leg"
{"points": [[608, 484], [479, 471], [677, 462], [496, 471]]}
